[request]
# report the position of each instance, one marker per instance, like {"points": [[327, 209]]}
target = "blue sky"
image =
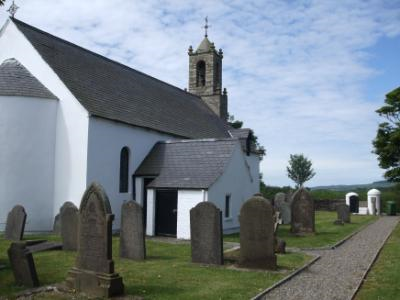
{"points": [[307, 76]]}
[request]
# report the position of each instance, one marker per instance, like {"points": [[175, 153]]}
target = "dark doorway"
{"points": [[354, 204], [146, 182], [166, 212]]}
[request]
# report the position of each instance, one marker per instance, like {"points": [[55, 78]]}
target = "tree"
{"points": [[2, 2], [300, 169], [387, 141]]}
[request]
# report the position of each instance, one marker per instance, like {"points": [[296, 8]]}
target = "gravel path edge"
{"points": [[357, 289], [287, 278]]}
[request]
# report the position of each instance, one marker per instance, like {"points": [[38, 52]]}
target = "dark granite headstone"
{"points": [[94, 270], [69, 218], [343, 212], [257, 240], [303, 214], [22, 264], [132, 236], [206, 234], [15, 224], [57, 225]]}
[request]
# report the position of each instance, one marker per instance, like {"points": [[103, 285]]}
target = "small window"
{"points": [[201, 73], [124, 170], [227, 206]]}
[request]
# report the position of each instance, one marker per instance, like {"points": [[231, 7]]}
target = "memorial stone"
{"points": [[94, 270], [69, 218], [15, 224], [206, 234], [57, 225], [303, 214], [343, 212], [257, 240], [22, 264], [282, 204], [132, 236]]}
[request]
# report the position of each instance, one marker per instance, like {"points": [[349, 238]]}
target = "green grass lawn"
{"points": [[326, 234], [166, 274], [382, 282]]}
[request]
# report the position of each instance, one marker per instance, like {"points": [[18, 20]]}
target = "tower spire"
{"points": [[206, 26], [13, 9]]}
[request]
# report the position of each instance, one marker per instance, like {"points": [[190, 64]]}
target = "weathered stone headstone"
{"points": [[303, 214], [57, 225], [94, 270], [132, 237], [22, 264], [206, 234], [257, 239], [343, 212], [69, 219], [280, 246], [15, 224], [282, 204]]}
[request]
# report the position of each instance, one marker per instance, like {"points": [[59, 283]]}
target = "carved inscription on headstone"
{"points": [[257, 239], [303, 214], [132, 237], [94, 271], [15, 224], [206, 234]]}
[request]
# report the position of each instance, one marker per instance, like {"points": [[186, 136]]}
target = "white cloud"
{"points": [[296, 71]]}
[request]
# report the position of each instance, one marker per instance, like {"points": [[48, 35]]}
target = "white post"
{"points": [[151, 211]]}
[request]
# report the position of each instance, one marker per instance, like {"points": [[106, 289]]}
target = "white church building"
{"points": [[70, 117]]}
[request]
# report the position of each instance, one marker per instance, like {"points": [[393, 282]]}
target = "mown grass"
{"points": [[382, 282], [327, 234], [166, 274]]}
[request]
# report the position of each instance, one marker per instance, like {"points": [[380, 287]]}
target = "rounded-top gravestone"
{"points": [[257, 239], [206, 234], [343, 212], [303, 214], [69, 218], [132, 236], [15, 224]]}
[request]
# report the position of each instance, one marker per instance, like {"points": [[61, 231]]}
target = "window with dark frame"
{"points": [[227, 206], [124, 170]]}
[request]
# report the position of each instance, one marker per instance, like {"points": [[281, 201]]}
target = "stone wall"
{"points": [[327, 204]]}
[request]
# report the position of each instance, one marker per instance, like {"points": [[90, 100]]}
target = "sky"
{"points": [[306, 76]]}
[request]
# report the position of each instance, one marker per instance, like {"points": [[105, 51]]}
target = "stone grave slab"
{"points": [[303, 213], [94, 271], [206, 234], [343, 212], [132, 235], [15, 224], [257, 239], [69, 218], [22, 264]]}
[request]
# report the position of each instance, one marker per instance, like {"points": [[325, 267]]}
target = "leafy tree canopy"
{"points": [[2, 2], [387, 141], [300, 169]]}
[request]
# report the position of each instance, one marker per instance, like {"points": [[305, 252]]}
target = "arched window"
{"points": [[201, 73], [124, 170]]}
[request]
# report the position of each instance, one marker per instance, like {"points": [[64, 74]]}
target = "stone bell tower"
{"points": [[205, 76]]}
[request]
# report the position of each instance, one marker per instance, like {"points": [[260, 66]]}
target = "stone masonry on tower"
{"points": [[205, 77]]}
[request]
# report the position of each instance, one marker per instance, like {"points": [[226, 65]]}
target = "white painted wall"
{"points": [[374, 202], [71, 123], [187, 199], [239, 183], [151, 212], [106, 139], [27, 150], [348, 195]]}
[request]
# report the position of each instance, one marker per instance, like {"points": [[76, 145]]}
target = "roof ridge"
{"points": [[198, 140], [100, 56]]}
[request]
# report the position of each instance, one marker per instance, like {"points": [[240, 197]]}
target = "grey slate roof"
{"points": [[241, 133], [113, 91], [187, 164], [16, 80]]}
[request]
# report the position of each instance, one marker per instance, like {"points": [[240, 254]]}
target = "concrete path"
{"points": [[340, 271]]}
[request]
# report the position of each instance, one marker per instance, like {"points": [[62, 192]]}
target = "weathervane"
{"points": [[13, 9], [206, 26]]}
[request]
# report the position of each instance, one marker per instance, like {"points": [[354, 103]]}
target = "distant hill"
{"points": [[343, 188]]}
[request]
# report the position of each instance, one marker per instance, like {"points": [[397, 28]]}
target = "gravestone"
{"points": [[132, 236], [206, 234], [57, 225], [22, 264], [15, 224], [257, 239], [69, 218], [343, 212], [282, 204], [303, 214], [94, 270]]}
